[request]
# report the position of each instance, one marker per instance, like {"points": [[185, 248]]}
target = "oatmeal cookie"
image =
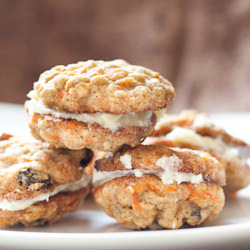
{"points": [[195, 130], [97, 104], [39, 183], [115, 87], [152, 186]]}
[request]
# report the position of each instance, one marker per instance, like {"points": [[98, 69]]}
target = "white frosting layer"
{"points": [[106, 120], [190, 137], [203, 120], [22, 204], [126, 160], [168, 176]]}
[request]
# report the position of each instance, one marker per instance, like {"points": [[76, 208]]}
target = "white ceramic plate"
{"points": [[90, 228]]}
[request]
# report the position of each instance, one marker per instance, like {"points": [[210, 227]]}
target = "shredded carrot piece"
{"points": [[157, 75], [35, 118], [53, 137], [196, 194], [212, 197], [204, 196], [84, 71], [88, 141], [150, 162], [71, 126], [61, 94], [171, 189], [152, 187], [125, 185], [140, 188], [26, 160], [136, 202], [135, 190]]}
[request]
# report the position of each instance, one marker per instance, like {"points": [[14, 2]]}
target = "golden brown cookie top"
{"points": [[162, 158], [29, 167], [103, 86]]}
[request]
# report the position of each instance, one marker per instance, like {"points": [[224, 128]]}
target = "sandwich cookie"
{"points": [[152, 186], [38, 183], [195, 130], [97, 104]]}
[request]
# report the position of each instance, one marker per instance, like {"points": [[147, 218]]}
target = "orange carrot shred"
{"points": [[152, 187], [26, 160], [212, 197], [170, 189], [71, 126], [196, 194], [149, 162], [136, 202], [61, 94], [35, 118], [53, 137], [88, 141]]}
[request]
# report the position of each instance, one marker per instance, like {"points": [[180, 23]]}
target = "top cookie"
{"points": [[103, 86], [29, 167]]}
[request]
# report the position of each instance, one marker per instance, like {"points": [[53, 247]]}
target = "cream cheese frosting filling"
{"points": [[168, 176], [23, 204], [203, 120], [106, 120], [188, 136]]}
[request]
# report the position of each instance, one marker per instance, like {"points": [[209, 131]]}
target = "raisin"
{"points": [[196, 212], [87, 159], [34, 180]]}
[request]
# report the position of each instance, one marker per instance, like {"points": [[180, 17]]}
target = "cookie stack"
{"points": [[109, 107], [38, 182]]}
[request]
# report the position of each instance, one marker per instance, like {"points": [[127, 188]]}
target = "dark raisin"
{"points": [[196, 212], [34, 180], [87, 159]]}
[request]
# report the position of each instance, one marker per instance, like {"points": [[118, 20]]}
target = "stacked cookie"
{"points": [[97, 104], [193, 130], [153, 186], [38, 182], [89, 105], [112, 107]]}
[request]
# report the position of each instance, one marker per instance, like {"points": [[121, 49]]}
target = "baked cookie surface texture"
{"points": [[152, 186], [39, 183], [97, 104]]}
